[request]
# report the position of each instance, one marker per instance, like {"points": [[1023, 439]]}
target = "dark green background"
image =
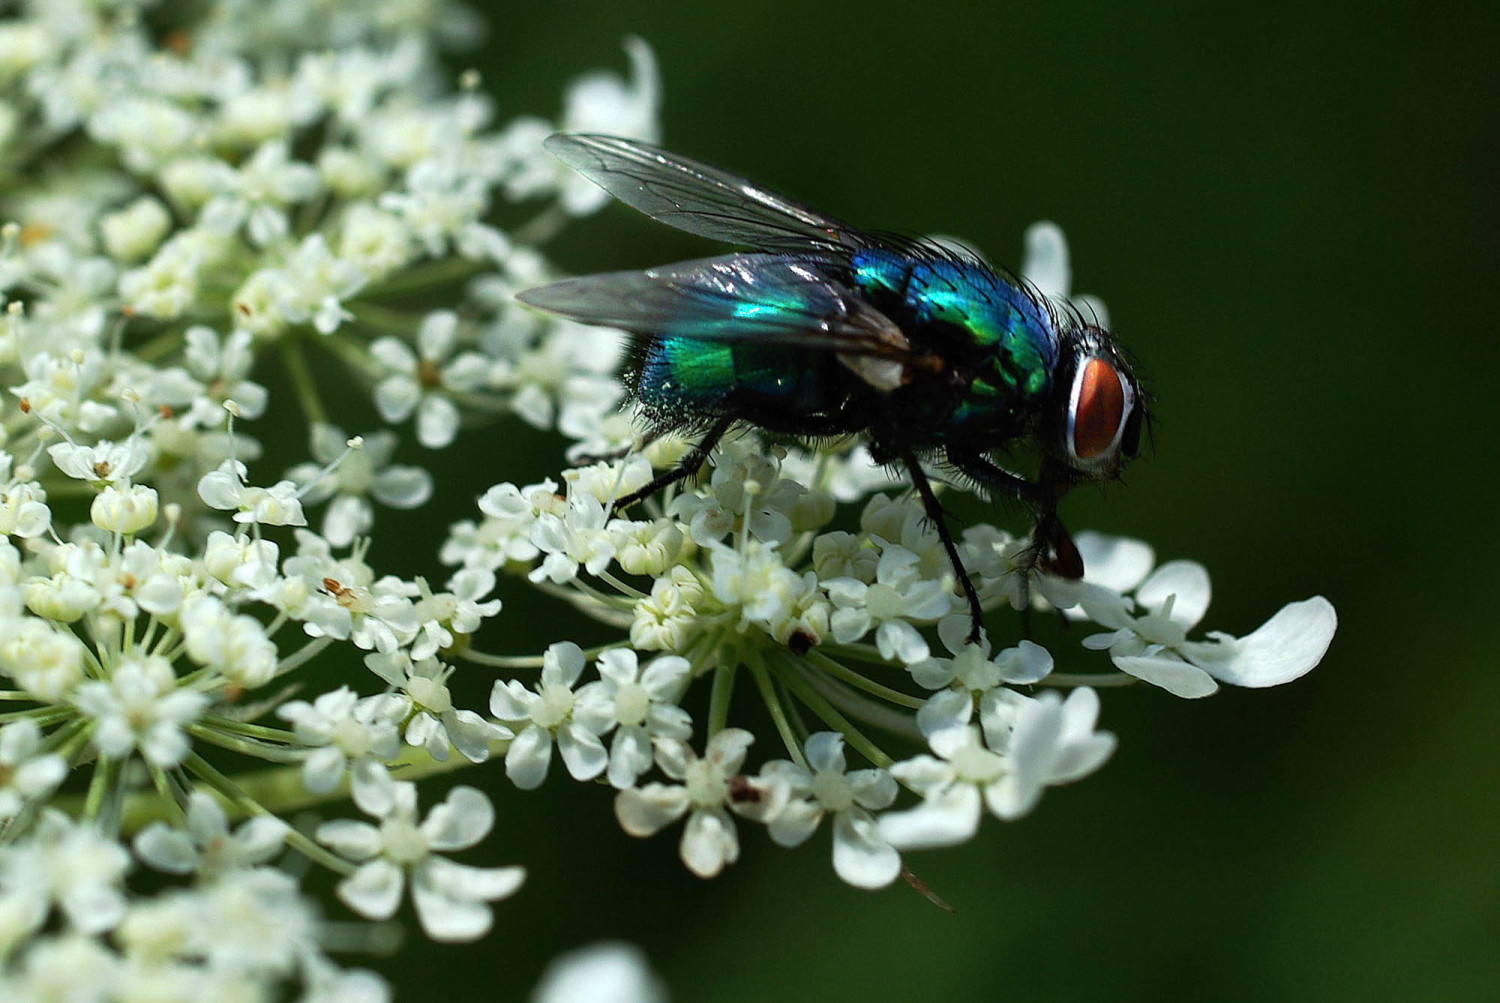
{"points": [[1290, 211]]}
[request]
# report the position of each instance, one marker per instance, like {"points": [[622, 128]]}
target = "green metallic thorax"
{"points": [[995, 333]]}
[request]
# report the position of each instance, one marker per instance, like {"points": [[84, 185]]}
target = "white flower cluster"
{"points": [[745, 571], [189, 203], [273, 185]]}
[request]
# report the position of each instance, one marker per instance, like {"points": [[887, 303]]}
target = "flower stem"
{"points": [[425, 277], [820, 706], [302, 655], [527, 661], [718, 699], [302, 382], [1096, 679], [848, 675], [237, 796], [777, 709], [99, 784]]}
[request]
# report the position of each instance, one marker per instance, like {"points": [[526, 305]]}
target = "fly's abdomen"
{"points": [[679, 376]]}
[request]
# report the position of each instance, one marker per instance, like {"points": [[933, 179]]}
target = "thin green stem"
{"points": [[43, 716], [302, 381], [542, 227], [629, 590], [1099, 679], [237, 796], [246, 746], [99, 784], [302, 655], [526, 661], [859, 653], [168, 796], [159, 347], [777, 709], [386, 319], [259, 731], [718, 698], [820, 706], [425, 277], [848, 675]]}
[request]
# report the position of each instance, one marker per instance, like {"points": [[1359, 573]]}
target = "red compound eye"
{"points": [[1098, 409]]}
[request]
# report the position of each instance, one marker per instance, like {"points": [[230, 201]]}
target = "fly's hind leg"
{"points": [[688, 466]]}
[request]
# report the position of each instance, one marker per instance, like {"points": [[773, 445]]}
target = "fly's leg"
{"points": [[584, 459], [940, 523], [1051, 548], [689, 465]]}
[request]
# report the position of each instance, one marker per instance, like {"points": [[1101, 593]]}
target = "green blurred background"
{"points": [[1290, 210]]}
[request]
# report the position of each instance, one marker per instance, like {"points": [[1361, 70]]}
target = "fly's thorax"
{"points": [[1094, 420]]}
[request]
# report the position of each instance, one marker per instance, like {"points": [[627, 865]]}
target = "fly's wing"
{"points": [[740, 298], [700, 199]]}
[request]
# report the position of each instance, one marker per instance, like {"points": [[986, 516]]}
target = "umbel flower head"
{"points": [[219, 200]]}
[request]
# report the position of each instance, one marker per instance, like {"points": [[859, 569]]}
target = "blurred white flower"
{"points": [[600, 973], [206, 846]]}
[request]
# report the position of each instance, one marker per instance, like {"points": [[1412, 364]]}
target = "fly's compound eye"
{"points": [[1101, 410]]}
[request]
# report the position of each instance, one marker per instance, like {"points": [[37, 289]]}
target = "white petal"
{"points": [[529, 756], [1116, 562], [874, 789], [488, 884], [1026, 663], [463, 819], [261, 838], [373, 891], [437, 421], [1188, 581], [402, 486], [797, 821], [449, 920], [373, 789], [323, 769], [709, 842], [945, 709], [900, 639], [510, 701], [629, 756], [945, 819], [166, 849], [582, 752], [923, 773], [1172, 674], [645, 811], [1280, 650], [396, 397], [1011, 797], [825, 751], [1045, 262], [860, 856], [355, 840]]}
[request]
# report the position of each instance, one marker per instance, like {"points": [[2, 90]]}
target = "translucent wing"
{"points": [[700, 199], [733, 298]]}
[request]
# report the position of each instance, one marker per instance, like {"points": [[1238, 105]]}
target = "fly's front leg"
{"points": [[903, 451], [1052, 548]]}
